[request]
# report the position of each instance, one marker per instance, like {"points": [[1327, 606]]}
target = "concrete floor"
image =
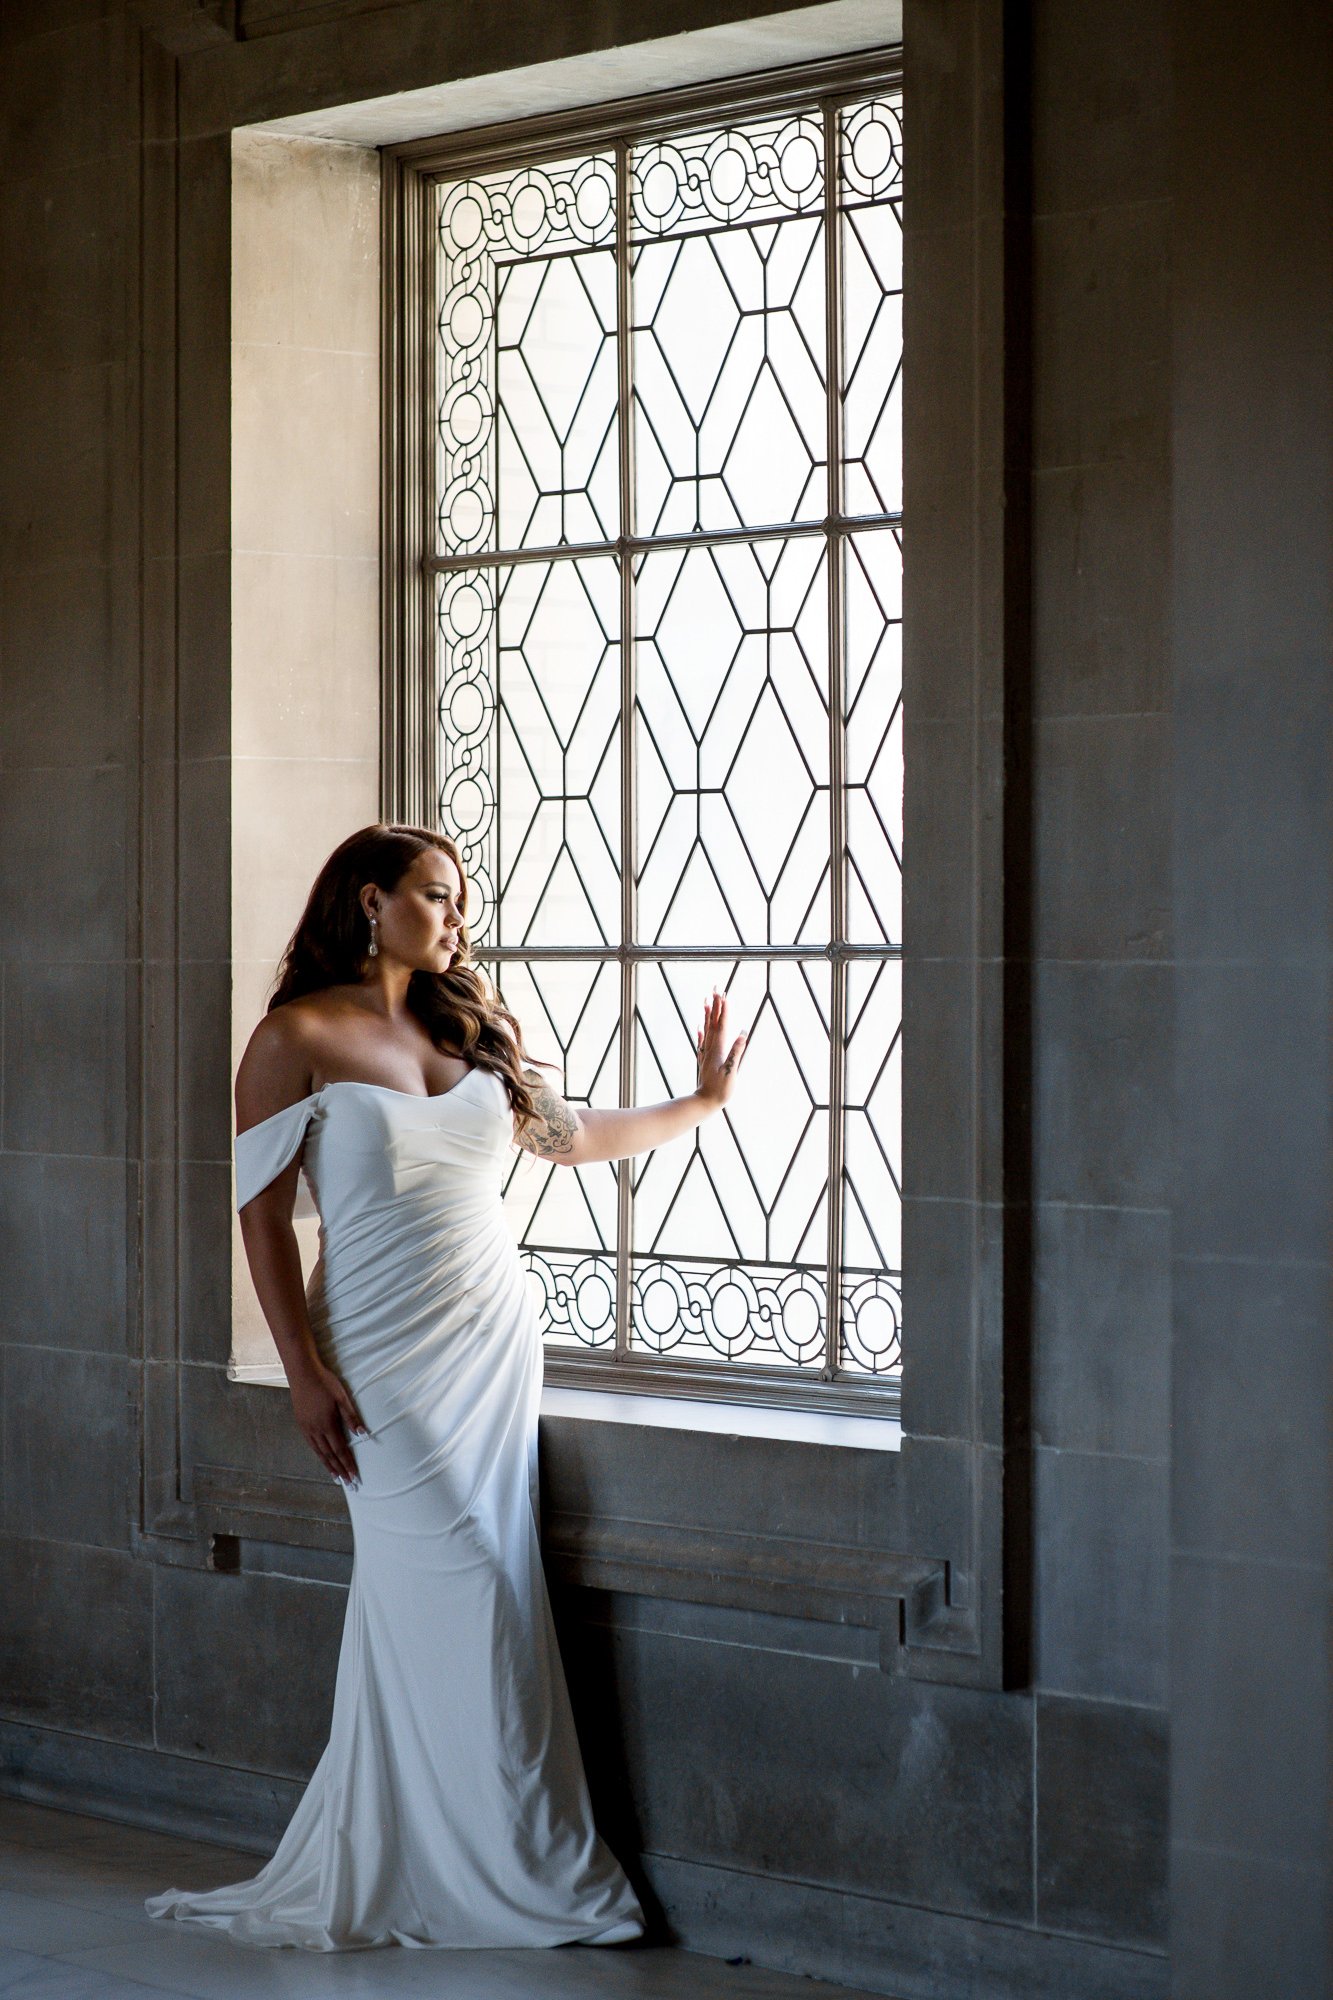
{"points": [[72, 1927]]}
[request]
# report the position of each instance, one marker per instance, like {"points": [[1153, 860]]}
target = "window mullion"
{"points": [[837, 746], [628, 855], [428, 776]]}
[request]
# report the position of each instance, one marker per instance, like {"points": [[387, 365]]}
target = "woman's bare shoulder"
{"points": [[275, 1070]]}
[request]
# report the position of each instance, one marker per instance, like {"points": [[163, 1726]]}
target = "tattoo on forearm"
{"points": [[559, 1124]]}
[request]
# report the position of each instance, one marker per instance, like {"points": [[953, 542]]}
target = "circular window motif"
{"points": [[727, 172], [800, 163], [466, 514], [734, 1310], [592, 203], [872, 149], [465, 221], [872, 1324], [466, 417], [466, 320], [467, 609], [529, 212], [467, 708], [467, 805], [659, 189], [595, 1300], [661, 1308], [799, 1330]]}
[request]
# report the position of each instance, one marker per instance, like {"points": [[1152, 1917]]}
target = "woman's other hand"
{"points": [[717, 1072], [327, 1414]]}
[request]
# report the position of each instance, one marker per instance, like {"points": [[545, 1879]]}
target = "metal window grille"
{"points": [[662, 551]]}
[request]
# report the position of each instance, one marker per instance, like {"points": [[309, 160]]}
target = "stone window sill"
{"points": [[688, 1413]]}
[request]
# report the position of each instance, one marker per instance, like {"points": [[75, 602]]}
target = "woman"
{"points": [[450, 1806]]}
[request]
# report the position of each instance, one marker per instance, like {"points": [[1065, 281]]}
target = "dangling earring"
{"points": [[374, 947]]}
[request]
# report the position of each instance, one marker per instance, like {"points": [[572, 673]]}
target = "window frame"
{"points": [[410, 744], [793, 1528]]}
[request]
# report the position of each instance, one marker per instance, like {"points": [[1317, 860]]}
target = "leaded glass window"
{"points": [[665, 575]]}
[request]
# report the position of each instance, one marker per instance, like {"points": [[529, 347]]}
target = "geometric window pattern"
{"points": [[667, 580]]}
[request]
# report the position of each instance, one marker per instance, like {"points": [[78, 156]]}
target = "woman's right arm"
{"points": [[274, 1073]]}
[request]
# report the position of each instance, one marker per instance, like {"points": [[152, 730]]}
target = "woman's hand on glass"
{"points": [[717, 1071]]}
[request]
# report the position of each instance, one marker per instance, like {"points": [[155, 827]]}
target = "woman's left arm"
{"points": [[575, 1136]]}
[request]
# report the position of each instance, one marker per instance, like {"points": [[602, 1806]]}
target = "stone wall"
{"points": [[785, 1796]]}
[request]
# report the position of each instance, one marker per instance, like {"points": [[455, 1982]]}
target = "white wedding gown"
{"points": [[450, 1806]]}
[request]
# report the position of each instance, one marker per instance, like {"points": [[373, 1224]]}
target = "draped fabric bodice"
{"points": [[409, 1192], [367, 1146]]}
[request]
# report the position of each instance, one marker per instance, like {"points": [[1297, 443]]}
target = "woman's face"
{"points": [[419, 921]]}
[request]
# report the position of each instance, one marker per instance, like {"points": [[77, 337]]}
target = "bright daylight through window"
{"points": [[667, 392]]}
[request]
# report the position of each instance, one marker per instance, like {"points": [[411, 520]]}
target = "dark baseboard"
{"points": [[895, 1949], [139, 1786]]}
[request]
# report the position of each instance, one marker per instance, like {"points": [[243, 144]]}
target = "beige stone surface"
{"points": [[304, 567], [303, 629], [290, 813], [308, 213], [305, 429]]}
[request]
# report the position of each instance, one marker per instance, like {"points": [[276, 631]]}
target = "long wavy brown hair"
{"points": [[460, 1009]]}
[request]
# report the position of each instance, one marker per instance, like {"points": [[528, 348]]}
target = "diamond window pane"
{"points": [[872, 393], [738, 1211], [565, 1218], [871, 1288], [870, 196], [731, 744], [730, 423], [874, 721], [530, 718], [526, 320]]}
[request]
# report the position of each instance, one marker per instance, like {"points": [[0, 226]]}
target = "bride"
{"points": [[450, 1806]]}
